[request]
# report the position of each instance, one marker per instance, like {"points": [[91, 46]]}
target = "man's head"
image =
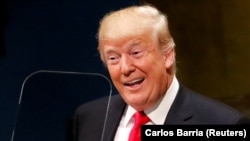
{"points": [[136, 46]]}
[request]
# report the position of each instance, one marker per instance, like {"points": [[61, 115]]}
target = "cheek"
{"points": [[114, 73], [155, 63]]}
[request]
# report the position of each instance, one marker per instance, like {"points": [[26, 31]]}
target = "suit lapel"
{"points": [[117, 106], [182, 109], [180, 112]]}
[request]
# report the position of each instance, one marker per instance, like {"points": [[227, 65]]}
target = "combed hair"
{"points": [[134, 21]]}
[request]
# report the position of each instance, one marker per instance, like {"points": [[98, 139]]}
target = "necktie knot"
{"points": [[140, 118]]}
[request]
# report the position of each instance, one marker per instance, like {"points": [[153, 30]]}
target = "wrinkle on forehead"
{"points": [[146, 38]]}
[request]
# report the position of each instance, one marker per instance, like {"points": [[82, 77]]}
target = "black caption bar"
{"points": [[199, 132]]}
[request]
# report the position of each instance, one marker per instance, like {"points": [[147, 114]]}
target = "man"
{"points": [[136, 46]]}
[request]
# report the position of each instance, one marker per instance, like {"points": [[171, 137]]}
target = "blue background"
{"points": [[46, 35]]}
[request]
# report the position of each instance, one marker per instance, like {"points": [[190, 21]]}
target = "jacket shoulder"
{"points": [[205, 110]]}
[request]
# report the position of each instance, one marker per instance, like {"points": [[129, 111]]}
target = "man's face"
{"points": [[138, 70]]}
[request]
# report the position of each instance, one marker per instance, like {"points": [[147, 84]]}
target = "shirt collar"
{"points": [[159, 111]]}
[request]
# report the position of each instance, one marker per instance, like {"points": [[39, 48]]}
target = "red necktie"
{"points": [[140, 118]]}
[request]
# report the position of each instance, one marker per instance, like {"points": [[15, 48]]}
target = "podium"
{"points": [[48, 100]]}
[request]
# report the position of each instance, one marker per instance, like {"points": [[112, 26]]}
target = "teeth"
{"points": [[135, 81]]}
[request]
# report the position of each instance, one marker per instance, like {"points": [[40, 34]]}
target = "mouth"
{"points": [[134, 82]]}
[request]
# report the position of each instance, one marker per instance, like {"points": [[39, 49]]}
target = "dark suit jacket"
{"points": [[188, 108]]}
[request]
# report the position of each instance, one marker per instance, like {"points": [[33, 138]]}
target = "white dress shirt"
{"points": [[157, 113]]}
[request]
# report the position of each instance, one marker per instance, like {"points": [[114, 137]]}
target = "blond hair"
{"points": [[133, 21]]}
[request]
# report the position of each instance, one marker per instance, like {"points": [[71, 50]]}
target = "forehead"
{"points": [[144, 38], [126, 44]]}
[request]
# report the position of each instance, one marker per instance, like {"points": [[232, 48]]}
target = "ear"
{"points": [[169, 57]]}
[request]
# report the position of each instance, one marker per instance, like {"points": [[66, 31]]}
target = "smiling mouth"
{"points": [[134, 82]]}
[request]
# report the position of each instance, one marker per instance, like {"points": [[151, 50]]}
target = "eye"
{"points": [[113, 59], [137, 53]]}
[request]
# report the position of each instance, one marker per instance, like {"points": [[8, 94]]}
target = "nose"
{"points": [[127, 65]]}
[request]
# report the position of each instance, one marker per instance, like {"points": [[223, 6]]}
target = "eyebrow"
{"points": [[109, 51], [137, 41], [131, 44]]}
